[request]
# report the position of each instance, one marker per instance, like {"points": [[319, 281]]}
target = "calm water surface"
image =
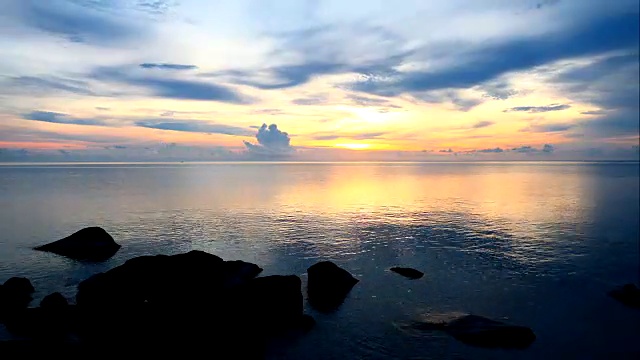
{"points": [[538, 244]]}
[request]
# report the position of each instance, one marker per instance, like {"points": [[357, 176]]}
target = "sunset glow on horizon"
{"points": [[137, 80]]}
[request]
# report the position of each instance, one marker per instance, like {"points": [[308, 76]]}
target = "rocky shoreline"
{"points": [[196, 302]]}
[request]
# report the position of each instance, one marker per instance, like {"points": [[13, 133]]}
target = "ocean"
{"points": [[531, 243]]}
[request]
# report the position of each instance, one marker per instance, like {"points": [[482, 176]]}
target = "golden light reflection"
{"points": [[497, 195]]}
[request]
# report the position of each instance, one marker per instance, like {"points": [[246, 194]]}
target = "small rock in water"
{"points": [[628, 294], [92, 243], [328, 285], [482, 332], [408, 272]]}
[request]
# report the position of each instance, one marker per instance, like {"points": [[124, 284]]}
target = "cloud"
{"points": [[102, 108], [482, 124], [539, 109], [271, 142], [363, 136], [498, 90], [165, 66], [172, 88], [544, 128], [446, 151], [593, 112], [59, 118], [310, 100], [197, 126], [547, 148], [611, 84], [46, 85], [77, 23], [460, 101], [483, 63], [495, 150], [323, 50]]}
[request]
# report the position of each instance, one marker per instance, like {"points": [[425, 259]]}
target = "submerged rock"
{"points": [[92, 243], [482, 332], [328, 285], [628, 294], [408, 272]]}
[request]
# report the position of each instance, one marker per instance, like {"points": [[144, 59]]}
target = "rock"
{"points": [[169, 300], [307, 322], [628, 294], [408, 272], [483, 332], [328, 285], [54, 301], [15, 294], [238, 272], [270, 304], [92, 244], [52, 322], [189, 278]]}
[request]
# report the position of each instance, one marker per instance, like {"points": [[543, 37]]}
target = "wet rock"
{"points": [[408, 272], [328, 285], [628, 294], [237, 272], [483, 332], [15, 294], [54, 301], [182, 279], [272, 303], [169, 300], [92, 244]]}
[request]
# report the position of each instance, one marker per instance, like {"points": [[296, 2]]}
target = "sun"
{"points": [[354, 146]]}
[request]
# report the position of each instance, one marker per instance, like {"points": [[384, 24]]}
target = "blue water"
{"points": [[537, 244]]}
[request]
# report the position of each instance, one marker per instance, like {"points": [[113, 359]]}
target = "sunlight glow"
{"points": [[354, 146]]}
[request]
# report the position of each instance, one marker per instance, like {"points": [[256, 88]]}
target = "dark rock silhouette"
{"points": [[54, 301], [483, 332], [408, 272], [328, 285], [15, 294], [154, 305], [628, 294], [92, 244]]}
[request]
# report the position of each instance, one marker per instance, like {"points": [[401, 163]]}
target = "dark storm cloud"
{"points": [[539, 109], [59, 118]]}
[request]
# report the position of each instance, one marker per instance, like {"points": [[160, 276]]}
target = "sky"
{"points": [[319, 80]]}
